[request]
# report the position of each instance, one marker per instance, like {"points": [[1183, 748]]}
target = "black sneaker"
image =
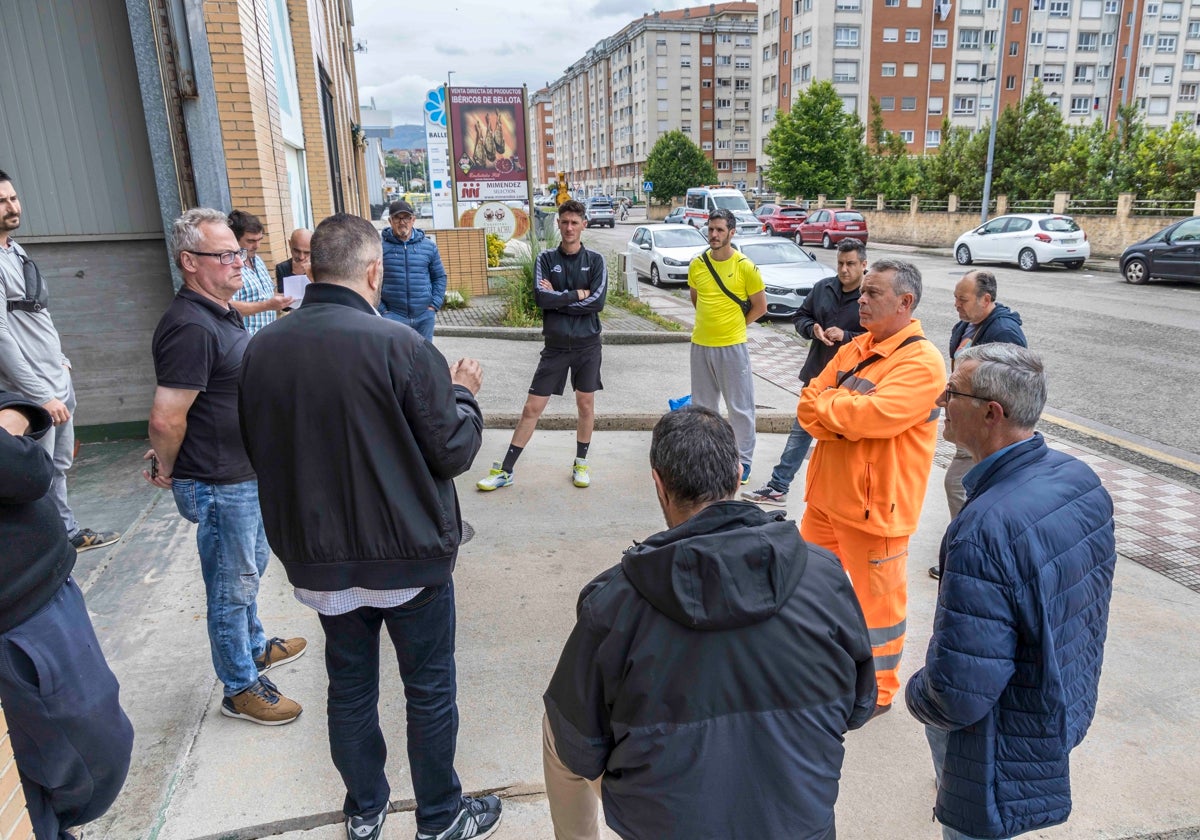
{"points": [[366, 828], [479, 818], [935, 572], [86, 539]]}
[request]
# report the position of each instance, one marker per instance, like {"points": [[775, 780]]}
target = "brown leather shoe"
{"points": [[280, 651], [263, 704]]}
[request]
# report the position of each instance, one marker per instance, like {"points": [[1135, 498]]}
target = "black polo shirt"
{"points": [[198, 346]]}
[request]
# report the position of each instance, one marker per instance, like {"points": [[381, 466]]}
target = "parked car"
{"points": [[663, 252], [788, 272], [781, 219], [829, 227], [676, 217], [1171, 254], [1027, 239], [599, 211], [747, 224]]}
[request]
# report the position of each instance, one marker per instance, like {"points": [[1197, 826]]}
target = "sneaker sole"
{"points": [[279, 662], [762, 500], [82, 548], [230, 713], [495, 827], [483, 489]]}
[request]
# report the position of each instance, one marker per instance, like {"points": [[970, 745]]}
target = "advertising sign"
{"points": [[488, 128], [437, 152]]}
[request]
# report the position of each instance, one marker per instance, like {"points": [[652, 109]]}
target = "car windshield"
{"points": [[600, 202], [774, 253], [791, 211], [848, 217], [731, 202], [684, 237], [1059, 224]]}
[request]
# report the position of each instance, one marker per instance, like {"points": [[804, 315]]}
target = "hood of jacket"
{"points": [[1000, 314], [731, 565], [389, 236]]}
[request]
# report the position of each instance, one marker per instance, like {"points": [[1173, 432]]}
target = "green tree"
{"points": [[675, 164], [886, 166], [958, 166], [814, 147], [1030, 139], [394, 168]]}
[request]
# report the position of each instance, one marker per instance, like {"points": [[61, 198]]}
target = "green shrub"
{"points": [[520, 306]]}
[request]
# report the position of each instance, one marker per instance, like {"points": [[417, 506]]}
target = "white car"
{"points": [[1027, 239], [663, 252], [788, 272]]}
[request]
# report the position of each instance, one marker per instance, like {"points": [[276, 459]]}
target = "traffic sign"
{"points": [[648, 186]]}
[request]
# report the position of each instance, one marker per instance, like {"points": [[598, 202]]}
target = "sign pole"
{"points": [[451, 159], [533, 217]]}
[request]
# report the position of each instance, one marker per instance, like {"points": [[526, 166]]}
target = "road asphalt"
{"points": [[201, 776]]}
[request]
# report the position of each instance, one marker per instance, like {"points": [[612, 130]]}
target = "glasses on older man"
{"points": [[226, 257], [952, 393]]}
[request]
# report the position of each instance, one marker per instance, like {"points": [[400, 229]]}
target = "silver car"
{"points": [[663, 252], [788, 272]]}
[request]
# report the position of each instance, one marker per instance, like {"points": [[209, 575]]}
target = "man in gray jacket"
{"points": [[32, 363]]}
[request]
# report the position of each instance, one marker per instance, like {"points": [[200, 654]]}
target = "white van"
{"points": [[703, 200]]}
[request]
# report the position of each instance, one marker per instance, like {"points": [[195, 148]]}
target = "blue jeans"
{"points": [[793, 456], [422, 632], [938, 739], [70, 737], [233, 556], [423, 323]]}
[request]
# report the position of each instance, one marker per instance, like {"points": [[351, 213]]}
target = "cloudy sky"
{"points": [[411, 44]]}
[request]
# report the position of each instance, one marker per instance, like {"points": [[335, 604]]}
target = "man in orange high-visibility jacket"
{"points": [[873, 412]]}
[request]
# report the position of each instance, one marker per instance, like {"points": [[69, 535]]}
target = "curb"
{"points": [[765, 422], [535, 334]]}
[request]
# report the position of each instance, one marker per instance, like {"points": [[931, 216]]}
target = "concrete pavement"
{"points": [[197, 774]]}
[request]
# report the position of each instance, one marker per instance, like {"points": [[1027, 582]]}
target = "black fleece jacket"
{"points": [[356, 434], [35, 554]]}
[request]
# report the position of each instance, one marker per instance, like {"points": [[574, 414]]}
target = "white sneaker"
{"points": [[495, 479], [579, 473]]}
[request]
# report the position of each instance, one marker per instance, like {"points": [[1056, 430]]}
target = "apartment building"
{"points": [[691, 69], [925, 60], [541, 139]]}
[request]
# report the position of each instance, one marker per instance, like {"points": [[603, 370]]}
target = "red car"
{"points": [[829, 227], [781, 219]]}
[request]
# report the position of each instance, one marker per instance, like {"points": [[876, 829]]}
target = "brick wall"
{"points": [[14, 819], [239, 39], [464, 256]]}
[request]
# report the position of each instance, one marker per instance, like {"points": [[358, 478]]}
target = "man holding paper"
{"points": [[296, 268]]}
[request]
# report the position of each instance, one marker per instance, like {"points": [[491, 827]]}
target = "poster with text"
{"points": [[437, 154], [487, 128]]}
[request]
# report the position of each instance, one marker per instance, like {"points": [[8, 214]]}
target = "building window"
{"points": [[1014, 48], [806, 38], [1080, 105], [966, 71], [1159, 106], [1053, 74], [887, 103], [906, 135], [937, 72], [849, 5], [935, 104], [685, 63], [850, 104], [845, 71], [908, 103], [740, 165], [706, 145], [741, 146], [1171, 11], [1056, 41], [845, 36], [1187, 91], [891, 35], [1084, 74], [990, 37], [1088, 42], [910, 70], [1016, 16], [964, 106], [1060, 8], [1166, 43], [1191, 61], [892, 3], [1193, 30], [1163, 74], [968, 39], [933, 138], [1036, 39], [912, 36], [887, 69], [805, 73], [1104, 71]]}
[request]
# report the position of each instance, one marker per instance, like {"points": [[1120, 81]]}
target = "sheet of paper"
{"points": [[294, 286]]}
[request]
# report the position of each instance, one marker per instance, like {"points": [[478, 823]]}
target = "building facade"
{"points": [[690, 70], [118, 116], [542, 162], [925, 61]]}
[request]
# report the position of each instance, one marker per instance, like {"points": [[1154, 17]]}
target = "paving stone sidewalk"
{"points": [[488, 310]]}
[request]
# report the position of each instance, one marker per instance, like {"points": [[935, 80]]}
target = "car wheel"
{"points": [[1136, 272], [1027, 260], [655, 279], [963, 255], [1075, 265], [826, 242]]}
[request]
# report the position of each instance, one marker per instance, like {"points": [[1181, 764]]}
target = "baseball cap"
{"points": [[401, 206]]}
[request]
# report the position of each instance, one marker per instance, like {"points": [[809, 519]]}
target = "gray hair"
{"points": [[907, 279], [1010, 375], [185, 231], [343, 248], [985, 283]]}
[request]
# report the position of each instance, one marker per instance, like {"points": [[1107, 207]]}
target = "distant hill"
{"points": [[406, 137]]}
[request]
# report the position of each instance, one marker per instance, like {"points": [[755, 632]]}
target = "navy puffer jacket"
{"points": [[413, 276], [1013, 665]]}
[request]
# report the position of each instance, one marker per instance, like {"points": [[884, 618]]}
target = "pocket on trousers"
{"points": [[184, 490], [24, 665], [421, 598], [886, 571]]}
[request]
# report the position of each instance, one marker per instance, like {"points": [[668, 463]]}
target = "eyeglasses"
{"points": [[226, 257], [950, 393]]}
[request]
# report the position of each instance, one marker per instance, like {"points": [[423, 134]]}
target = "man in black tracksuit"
{"points": [[70, 738], [712, 674], [828, 318], [356, 427], [570, 286]]}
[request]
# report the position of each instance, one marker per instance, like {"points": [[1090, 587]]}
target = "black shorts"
{"points": [[551, 374]]}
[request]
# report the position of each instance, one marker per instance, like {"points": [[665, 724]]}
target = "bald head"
{"points": [[300, 243]]}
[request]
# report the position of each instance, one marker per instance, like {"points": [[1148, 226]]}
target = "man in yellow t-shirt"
{"points": [[720, 360]]}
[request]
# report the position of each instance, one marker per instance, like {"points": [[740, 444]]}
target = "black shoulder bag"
{"points": [[36, 298], [875, 357], [744, 305]]}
